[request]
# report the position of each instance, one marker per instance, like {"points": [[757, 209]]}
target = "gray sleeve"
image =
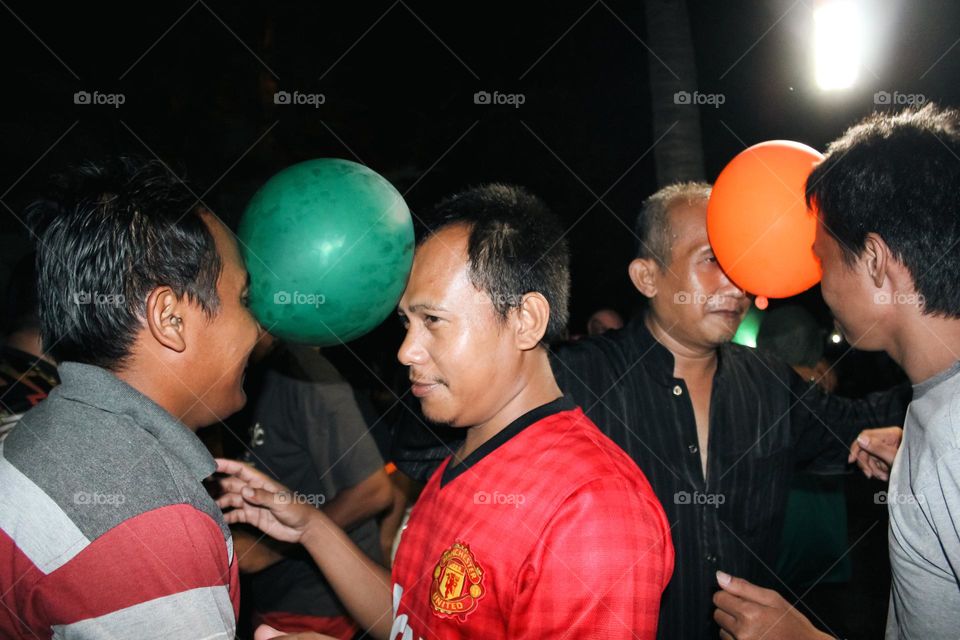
{"points": [[338, 438], [944, 505]]}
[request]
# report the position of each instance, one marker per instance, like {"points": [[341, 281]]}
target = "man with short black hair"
{"points": [[105, 527], [538, 526], [887, 239]]}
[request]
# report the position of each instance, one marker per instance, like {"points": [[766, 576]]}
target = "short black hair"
{"points": [[516, 246], [108, 233], [652, 227], [897, 175]]}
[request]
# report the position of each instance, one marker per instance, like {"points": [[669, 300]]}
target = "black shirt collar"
{"points": [[656, 358], [451, 471]]}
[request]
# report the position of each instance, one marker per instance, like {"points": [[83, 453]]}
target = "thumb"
{"points": [[744, 589]]}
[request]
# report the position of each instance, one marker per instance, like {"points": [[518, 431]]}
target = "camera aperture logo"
{"points": [[299, 297]]}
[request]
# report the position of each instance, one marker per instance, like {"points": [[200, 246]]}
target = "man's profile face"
{"points": [[696, 302], [221, 346], [847, 290], [463, 363]]}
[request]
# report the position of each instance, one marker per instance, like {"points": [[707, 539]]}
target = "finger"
{"points": [[230, 501], [854, 450], [248, 474], [232, 484], [726, 636], [237, 516], [728, 603], [747, 590], [726, 621], [880, 469], [863, 461]]}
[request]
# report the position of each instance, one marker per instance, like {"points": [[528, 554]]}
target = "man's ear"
{"points": [[877, 258], [644, 273], [166, 317], [532, 316]]}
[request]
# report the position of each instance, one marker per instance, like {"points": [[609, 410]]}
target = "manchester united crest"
{"points": [[457, 583]]}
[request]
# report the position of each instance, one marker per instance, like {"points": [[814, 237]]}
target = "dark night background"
{"points": [[399, 81]]}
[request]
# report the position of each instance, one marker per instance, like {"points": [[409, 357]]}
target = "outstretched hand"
{"points": [[252, 497]]}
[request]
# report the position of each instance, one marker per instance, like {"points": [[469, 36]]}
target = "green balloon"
{"points": [[328, 244]]}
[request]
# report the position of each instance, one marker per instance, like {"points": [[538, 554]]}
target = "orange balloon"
{"points": [[758, 222]]}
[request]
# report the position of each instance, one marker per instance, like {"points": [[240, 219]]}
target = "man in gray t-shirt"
{"points": [[888, 200], [924, 503]]}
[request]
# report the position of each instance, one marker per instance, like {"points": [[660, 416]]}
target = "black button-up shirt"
{"points": [[765, 421]]}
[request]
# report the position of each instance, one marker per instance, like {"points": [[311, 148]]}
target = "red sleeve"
{"points": [[165, 570], [599, 570]]}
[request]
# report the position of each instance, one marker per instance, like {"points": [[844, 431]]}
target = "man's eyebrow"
{"points": [[426, 306]]}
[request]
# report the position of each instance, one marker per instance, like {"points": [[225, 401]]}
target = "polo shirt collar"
{"points": [[97, 387]]}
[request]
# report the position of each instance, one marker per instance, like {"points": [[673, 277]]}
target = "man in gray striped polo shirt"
{"points": [[105, 528]]}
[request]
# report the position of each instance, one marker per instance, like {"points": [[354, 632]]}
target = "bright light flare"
{"points": [[838, 43]]}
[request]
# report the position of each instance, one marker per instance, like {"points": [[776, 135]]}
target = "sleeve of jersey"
{"points": [[599, 570], [167, 573]]}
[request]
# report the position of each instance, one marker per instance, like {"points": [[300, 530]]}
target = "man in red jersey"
{"points": [[539, 526]]}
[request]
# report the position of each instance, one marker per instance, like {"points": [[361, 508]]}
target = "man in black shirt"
{"points": [[716, 427]]}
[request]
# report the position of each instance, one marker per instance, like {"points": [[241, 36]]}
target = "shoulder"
{"points": [[573, 452]]}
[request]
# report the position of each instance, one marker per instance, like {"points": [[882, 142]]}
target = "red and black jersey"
{"points": [[547, 530]]}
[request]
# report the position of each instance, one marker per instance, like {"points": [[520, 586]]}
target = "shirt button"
{"points": [[693, 448], [678, 390]]}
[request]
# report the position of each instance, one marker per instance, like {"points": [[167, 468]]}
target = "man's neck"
{"points": [[926, 346], [689, 361], [160, 392], [539, 388]]}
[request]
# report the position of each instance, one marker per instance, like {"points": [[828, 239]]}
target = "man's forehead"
{"points": [[688, 225]]}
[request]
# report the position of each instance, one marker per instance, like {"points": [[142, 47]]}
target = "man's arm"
{"points": [[362, 585], [361, 502], [255, 551], [825, 426], [347, 509], [162, 574]]}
